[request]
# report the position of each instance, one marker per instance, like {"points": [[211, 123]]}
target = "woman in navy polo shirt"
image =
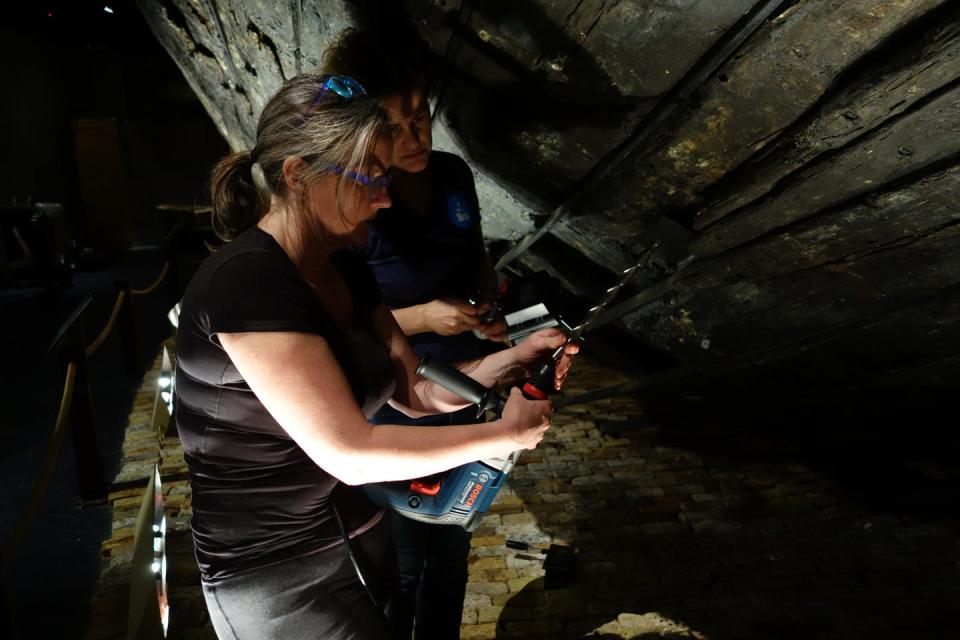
{"points": [[428, 256]]}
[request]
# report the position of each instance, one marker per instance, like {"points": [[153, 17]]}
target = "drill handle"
{"points": [[461, 384]]}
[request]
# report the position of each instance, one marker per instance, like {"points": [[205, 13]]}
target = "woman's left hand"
{"points": [[496, 329], [542, 343]]}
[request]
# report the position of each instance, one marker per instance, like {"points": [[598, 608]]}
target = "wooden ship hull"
{"points": [[794, 163]]}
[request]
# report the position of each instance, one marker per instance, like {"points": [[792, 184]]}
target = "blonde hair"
{"points": [[303, 120]]}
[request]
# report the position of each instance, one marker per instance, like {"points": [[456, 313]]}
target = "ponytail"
{"points": [[237, 204], [331, 132]]}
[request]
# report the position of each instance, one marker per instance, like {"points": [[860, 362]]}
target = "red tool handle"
{"points": [[540, 384]]}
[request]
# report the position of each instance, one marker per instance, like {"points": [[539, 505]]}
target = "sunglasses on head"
{"points": [[345, 87]]}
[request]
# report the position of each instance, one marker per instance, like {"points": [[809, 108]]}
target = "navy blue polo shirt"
{"points": [[417, 258]]}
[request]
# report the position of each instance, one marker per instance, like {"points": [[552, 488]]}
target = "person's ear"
{"points": [[293, 170]]}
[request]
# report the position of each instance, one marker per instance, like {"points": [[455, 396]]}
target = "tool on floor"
{"points": [[559, 561]]}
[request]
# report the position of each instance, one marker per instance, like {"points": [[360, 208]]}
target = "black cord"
{"points": [[356, 565]]}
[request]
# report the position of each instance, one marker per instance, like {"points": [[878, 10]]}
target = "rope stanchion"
{"points": [[93, 346], [46, 472], [128, 332], [153, 285], [68, 344]]}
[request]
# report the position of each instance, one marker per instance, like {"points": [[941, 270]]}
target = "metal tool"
{"points": [[462, 495], [540, 384]]}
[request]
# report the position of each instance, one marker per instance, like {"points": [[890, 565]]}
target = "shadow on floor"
{"points": [[749, 513]]}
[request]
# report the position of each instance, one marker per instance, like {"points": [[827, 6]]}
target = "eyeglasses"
{"points": [[373, 185], [343, 86]]}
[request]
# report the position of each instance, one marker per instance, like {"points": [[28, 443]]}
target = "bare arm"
{"points": [[416, 396], [300, 382], [444, 316]]}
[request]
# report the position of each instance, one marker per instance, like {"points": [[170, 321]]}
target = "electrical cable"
{"points": [[356, 565]]}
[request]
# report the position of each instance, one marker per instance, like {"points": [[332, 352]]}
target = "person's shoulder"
{"points": [[251, 240], [253, 256], [454, 174], [450, 163]]}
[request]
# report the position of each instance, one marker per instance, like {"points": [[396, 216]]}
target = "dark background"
{"points": [[98, 118]]}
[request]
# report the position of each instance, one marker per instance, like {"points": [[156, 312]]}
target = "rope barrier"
{"points": [[90, 350], [46, 472], [155, 283], [53, 447]]}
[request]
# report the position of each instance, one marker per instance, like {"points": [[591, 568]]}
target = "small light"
{"points": [[49, 14], [156, 528], [174, 315], [166, 395], [164, 382], [107, 9], [155, 567]]}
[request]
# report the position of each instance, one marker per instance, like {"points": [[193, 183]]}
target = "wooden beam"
{"points": [[887, 88], [236, 54], [661, 112], [782, 72], [876, 223], [856, 261], [860, 354], [746, 314], [928, 135]]}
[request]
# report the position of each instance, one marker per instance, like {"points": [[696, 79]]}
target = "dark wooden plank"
{"points": [[875, 223], [907, 75], [543, 89], [777, 76], [908, 339], [943, 373], [713, 323], [236, 54], [909, 345], [187, 34], [925, 136]]}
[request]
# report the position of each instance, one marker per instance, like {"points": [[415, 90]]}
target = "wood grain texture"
{"points": [[891, 83]]}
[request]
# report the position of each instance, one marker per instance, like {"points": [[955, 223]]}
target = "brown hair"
{"points": [[301, 120], [386, 66]]}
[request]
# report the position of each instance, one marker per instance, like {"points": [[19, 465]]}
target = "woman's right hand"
{"points": [[448, 317], [529, 419]]}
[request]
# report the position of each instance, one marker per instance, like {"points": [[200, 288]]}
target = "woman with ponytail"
{"points": [[284, 351], [234, 195]]}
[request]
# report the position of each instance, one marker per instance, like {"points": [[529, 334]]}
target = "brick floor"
{"points": [[672, 542]]}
